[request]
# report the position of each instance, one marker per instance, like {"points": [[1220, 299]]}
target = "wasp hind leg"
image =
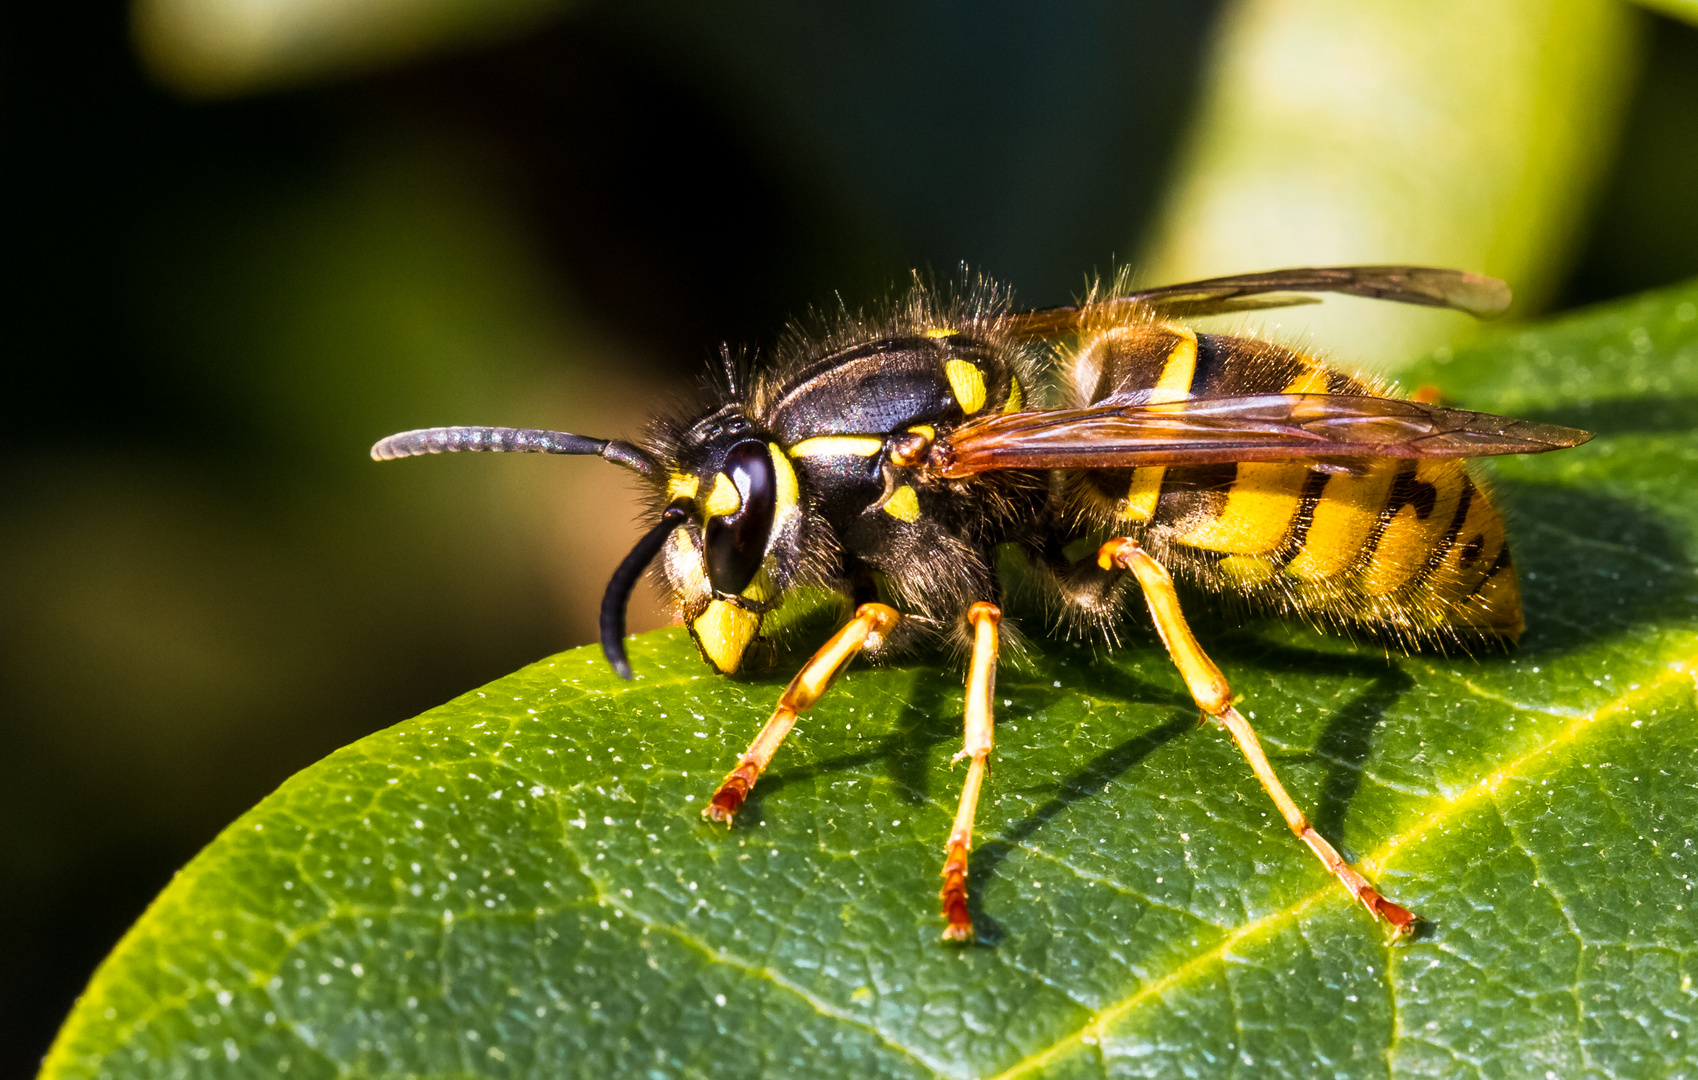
{"points": [[976, 748], [1213, 695], [809, 685]]}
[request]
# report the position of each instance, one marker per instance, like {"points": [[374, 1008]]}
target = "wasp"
{"points": [[895, 461]]}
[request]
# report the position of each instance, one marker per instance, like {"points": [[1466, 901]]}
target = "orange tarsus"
{"points": [[954, 895], [1401, 918], [729, 798], [977, 736]]}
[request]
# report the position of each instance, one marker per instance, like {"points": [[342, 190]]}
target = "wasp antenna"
{"points": [[502, 440], [624, 580]]}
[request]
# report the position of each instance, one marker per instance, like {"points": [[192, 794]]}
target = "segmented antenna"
{"points": [[503, 440], [624, 580]]}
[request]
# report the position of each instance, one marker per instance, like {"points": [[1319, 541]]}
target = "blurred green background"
{"points": [[249, 237]]}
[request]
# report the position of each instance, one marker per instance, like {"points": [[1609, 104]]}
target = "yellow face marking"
{"points": [[941, 332], [838, 446], [967, 383], [681, 486], [1143, 493], [1179, 370], [1344, 519], [723, 632], [684, 566], [760, 590], [1408, 539], [1313, 381], [1259, 509], [1016, 396], [903, 505], [724, 499]]}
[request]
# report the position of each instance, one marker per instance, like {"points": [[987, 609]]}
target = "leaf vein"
{"points": [[1674, 671]]}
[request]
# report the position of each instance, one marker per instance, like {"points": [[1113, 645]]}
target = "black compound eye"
{"points": [[736, 542]]}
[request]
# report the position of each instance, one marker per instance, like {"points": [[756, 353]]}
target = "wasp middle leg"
{"points": [[1213, 695], [809, 685], [975, 747]]}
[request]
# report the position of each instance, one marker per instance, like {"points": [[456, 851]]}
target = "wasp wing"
{"points": [[1257, 427], [1474, 293]]}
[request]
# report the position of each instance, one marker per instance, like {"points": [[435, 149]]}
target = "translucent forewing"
{"points": [[1259, 427]]}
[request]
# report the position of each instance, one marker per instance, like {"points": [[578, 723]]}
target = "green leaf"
{"points": [[519, 883]]}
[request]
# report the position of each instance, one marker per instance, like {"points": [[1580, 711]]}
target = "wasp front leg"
{"points": [[809, 685], [976, 748], [1213, 695]]}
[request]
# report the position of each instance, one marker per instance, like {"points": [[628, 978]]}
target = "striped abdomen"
{"points": [[1413, 547]]}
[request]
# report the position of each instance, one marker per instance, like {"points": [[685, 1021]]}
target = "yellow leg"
{"points": [[975, 747], [809, 685], [1213, 695]]}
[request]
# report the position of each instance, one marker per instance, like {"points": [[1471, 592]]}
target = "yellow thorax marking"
{"points": [[941, 332], [784, 477], [1016, 396], [724, 499], [967, 382], [839, 446], [681, 486], [903, 504], [925, 429], [1143, 493], [1180, 369]]}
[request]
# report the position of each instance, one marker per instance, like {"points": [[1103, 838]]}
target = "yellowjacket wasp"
{"points": [[892, 461]]}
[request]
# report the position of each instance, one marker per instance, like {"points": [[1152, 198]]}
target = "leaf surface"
{"points": [[518, 883]]}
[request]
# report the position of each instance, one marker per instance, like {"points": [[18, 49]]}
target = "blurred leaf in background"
{"points": [[1443, 134], [319, 225], [1645, 229], [216, 48]]}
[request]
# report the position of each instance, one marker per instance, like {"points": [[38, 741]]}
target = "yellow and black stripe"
{"points": [[1414, 548]]}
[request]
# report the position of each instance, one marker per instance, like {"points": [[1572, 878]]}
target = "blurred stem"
{"points": [[1457, 133]]}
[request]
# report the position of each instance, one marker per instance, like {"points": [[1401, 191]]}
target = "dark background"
{"points": [[214, 307]]}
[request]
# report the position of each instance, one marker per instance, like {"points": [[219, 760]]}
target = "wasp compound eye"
{"points": [[736, 542]]}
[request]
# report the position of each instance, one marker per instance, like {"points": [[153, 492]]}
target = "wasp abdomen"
{"points": [[1411, 547]]}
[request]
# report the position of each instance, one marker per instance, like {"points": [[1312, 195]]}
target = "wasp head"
{"points": [[728, 561]]}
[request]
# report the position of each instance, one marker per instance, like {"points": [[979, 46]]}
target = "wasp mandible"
{"points": [[893, 460]]}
